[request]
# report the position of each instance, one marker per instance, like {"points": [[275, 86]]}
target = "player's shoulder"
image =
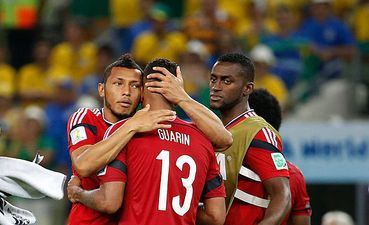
{"points": [[270, 136], [114, 127], [83, 114], [186, 125], [191, 129], [294, 169]]}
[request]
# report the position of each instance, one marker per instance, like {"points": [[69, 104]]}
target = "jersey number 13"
{"points": [[186, 182]]}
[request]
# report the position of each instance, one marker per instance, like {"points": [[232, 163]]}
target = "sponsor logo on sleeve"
{"points": [[78, 134], [279, 161]]}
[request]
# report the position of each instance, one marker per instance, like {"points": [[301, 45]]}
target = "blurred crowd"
{"points": [[53, 53]]}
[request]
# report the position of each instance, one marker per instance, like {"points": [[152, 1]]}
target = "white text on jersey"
{"points": [[168, 135]]}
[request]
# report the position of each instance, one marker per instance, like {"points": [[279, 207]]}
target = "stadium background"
{"points": [[53, 52]]}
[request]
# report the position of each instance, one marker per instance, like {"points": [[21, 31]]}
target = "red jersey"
{"points": [[300, 201], [87, 127], [168, 171], [261, 159]]}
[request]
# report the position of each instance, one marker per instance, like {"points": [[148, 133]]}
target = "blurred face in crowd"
{"points": [[42, 51], [227, 86], [73, 32], [121, 92], [284, 16], [320, 11]]}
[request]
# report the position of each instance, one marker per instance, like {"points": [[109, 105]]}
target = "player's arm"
{"points": [[278, 189], [212, 213], [299, 220], [171, 88], [107, 198], [88, 159]]}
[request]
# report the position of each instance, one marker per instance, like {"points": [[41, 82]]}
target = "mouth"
{"points": [[215, 97], [125, 103]]}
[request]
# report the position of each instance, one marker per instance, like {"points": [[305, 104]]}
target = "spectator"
{"points": [[286, 44], [76, 55], [361, 28], [264, 60], [28, 142], [58, 111], [331, 42], [34, 78], [89, 85], [207, 23], [158, 42]]}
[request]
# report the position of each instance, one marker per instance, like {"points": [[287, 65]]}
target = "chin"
{"points": [[214, 106]]}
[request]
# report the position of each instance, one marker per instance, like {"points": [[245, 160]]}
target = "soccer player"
{"points": [[255, 171], [162, 173], [267, 106], [121, 91]]}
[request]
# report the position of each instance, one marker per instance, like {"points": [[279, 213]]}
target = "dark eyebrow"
{"points": [[222, 76]]}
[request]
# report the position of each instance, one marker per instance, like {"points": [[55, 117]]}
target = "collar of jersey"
{"points": [[237, 119], [103, 116]]}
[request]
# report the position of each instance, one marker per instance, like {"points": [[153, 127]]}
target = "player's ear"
{"points": [[101, 90], [248, 88]]}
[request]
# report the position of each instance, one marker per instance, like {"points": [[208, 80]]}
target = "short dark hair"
{"points": [[248, 68], [266, 106], [161, 62], [126, 61]]}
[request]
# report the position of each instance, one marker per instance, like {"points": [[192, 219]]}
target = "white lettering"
{"points": [[172, 136]]}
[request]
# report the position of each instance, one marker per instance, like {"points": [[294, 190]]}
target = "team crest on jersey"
{"points": [[78, 134], [279, 161]]}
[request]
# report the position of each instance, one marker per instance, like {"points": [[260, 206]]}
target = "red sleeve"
{"points": [[264, 156], [81, 129], [300, 198], [214, 185], [116, 170]]}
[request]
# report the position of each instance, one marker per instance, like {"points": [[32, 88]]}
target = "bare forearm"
{"points": [[208, 123], [203, 218], [93, 199], [299, 220], [100, 154], [277, 210]]}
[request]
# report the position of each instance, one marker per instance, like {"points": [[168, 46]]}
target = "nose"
{"points": [[126, 90], [215, 86]]}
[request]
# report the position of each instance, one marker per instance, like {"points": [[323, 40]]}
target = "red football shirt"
{"points": [[300, 200], [87, 127], [168, 171], [259, 158]]}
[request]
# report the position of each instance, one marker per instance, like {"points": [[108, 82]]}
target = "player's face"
{"points": [[227, 86], [121, 92]]}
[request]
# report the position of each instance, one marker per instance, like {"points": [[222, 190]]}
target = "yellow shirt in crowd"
{"points": [[7, 80], [78, 62], [274, 85], [149, 46]]}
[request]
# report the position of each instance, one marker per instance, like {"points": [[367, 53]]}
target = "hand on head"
{"points": [[167, 84]]}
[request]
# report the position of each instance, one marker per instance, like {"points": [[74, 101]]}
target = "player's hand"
{"points": [[145, 120], [170, 86], [74, 188]]}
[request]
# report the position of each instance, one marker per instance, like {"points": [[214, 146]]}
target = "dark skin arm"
{"points": [[278, 189], [212, 213], [171, 88], [299, 220], [90, 158], [107, 198]]}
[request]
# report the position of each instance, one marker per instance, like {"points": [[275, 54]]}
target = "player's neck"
{"points": [[156, 101], [230, 113]]}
